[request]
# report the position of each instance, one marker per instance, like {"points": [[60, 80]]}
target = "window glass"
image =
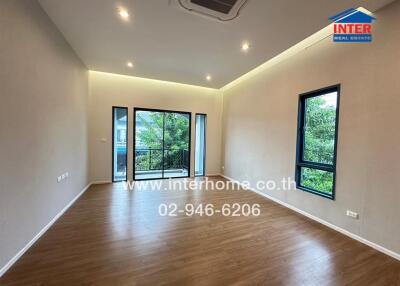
{"points": [[317, 180], [316, 139], [319, 129], [120, 127]]}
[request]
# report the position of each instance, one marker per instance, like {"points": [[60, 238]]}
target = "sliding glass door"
{"points": [[149, 126], [176, 144], [200, 147], [162, 144], [119, 143]]}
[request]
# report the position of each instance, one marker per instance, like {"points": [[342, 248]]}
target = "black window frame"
{"points": [[112, 143], [300, 162]]}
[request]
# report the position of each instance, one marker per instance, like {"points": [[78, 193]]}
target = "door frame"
{"points": [[135, 109]]}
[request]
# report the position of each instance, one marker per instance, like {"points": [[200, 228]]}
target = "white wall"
{"points": [[260, 121], [43, 124], [107, 90]]}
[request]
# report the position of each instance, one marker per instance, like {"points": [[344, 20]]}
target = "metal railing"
{"points": [[150, 159]]}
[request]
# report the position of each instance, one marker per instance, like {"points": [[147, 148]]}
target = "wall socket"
{"points": [[62, 177], [352, 214]]}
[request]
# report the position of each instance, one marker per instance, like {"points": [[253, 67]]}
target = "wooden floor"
{"points": [[115, 237]]}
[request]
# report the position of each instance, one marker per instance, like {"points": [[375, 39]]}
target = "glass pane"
{"points": [[120, 143], [176, 144], [317, 180], [199, 169], [148, 144], [319, 129]]}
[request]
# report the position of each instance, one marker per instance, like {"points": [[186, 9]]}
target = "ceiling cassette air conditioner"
{"points": [[222, 10]]}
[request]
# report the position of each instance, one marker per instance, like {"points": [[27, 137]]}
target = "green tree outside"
{"points": [[319, 136], [176, 139]]}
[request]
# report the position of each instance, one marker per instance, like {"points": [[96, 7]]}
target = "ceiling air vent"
{"points": [[223, 10]]}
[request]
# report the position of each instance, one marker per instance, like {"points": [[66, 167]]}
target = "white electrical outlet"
{"points": [[352, 214]]}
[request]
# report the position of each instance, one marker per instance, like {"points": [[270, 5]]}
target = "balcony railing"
{"points": [[151, 159]]}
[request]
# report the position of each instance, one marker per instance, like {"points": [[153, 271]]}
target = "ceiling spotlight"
{"points": [[208, 77], [129, 64], [245, 47], [123, 13]]}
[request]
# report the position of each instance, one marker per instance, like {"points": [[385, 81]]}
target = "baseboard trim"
{"points": [[212, 175], [41, 232], [100, 182], [321, 221]]}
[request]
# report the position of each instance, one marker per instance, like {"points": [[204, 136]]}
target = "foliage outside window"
{"points": [[316, 141], [162, 140]]}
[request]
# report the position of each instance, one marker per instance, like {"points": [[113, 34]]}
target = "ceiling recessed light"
{"points": [[245, 47], [123, 13], [129, 64], [208, 77]]}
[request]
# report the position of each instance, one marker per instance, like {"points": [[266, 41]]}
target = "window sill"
{"points": [[318, 193]]}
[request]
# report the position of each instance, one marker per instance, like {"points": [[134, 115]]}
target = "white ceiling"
{"points": [[167, 43]]}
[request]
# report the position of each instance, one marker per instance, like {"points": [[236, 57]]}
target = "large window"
{"points": [[119, 143], [200, 146], [317, 141], [161, 144]]}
